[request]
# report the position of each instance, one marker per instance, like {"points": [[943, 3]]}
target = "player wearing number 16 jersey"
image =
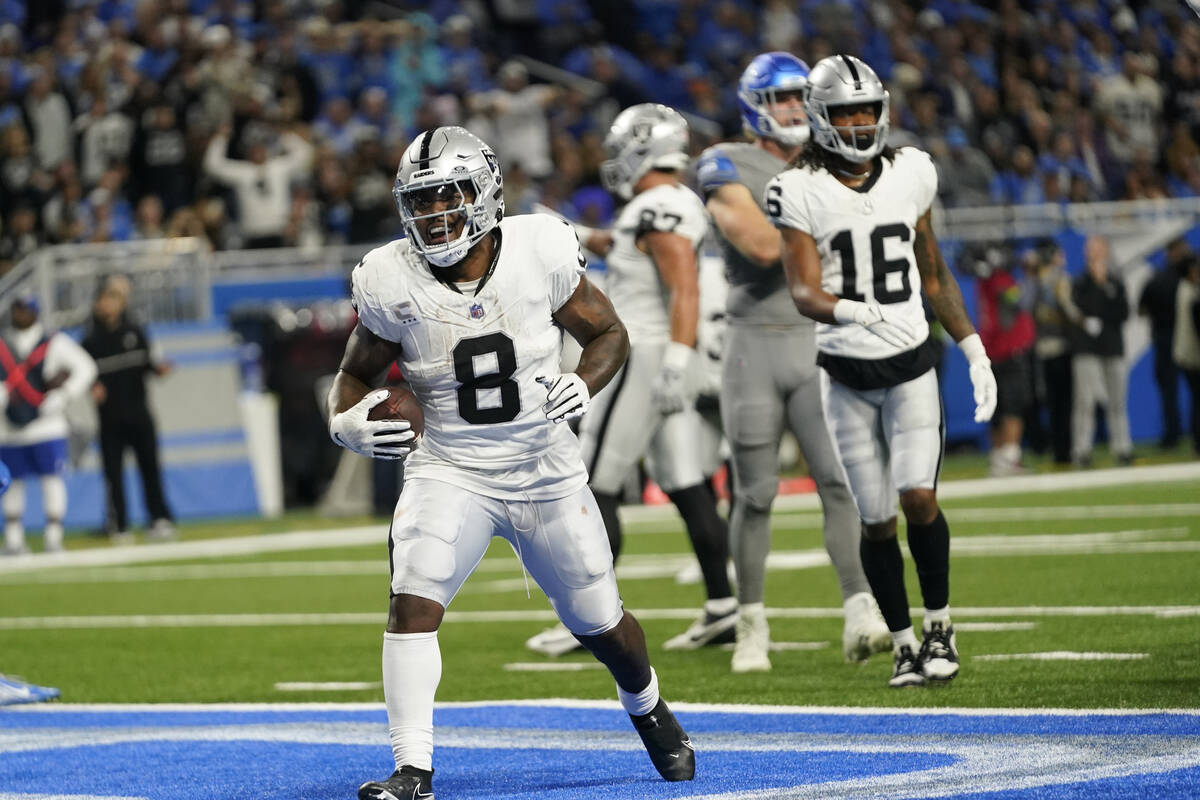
{"points": [[470, 305], [858, 251]]}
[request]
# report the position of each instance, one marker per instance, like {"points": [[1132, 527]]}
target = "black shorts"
{"points": [[1014, 386]]}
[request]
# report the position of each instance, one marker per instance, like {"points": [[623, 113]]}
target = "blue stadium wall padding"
{"points": [[228, 296], [194, 491]]}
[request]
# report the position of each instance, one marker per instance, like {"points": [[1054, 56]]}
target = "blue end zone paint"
{"points": [[784, 753]]}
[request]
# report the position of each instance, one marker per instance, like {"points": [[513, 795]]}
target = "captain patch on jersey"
{"points": [[865, 237]]}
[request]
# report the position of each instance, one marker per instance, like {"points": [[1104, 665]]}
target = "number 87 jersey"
{"points": [[865, 237]]}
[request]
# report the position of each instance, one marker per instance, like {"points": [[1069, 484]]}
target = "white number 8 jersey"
{"points": [[865, 237]]}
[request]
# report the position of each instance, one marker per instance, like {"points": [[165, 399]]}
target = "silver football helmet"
{"points": [[843, 80], [643, 137], [445, 173]]}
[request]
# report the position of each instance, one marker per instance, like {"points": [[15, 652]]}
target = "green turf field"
{"points": [[1110, 571]]}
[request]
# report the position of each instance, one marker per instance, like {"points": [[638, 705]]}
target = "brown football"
{"points": [[400, 404]]}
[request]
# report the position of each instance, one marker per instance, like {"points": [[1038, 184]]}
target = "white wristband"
{"points": [[678, 356], [847, 311], [972, 348]]}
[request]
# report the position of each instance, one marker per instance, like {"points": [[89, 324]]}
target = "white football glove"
{"points": [[672, 390], [567, 396], [982, 379], [1093, 326], [388, 439], [879, 320]]}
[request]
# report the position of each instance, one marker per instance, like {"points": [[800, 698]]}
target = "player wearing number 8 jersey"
{"points": [[470, 305], [858, 251]]}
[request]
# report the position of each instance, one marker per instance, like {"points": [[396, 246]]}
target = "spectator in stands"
{"points": [[1007, 331], [1052, 348], [1098, 311], [1157, 302], [1019, 184], [50, 119], [160, 158], [1131, 104], [262, 183], [516, 113], [18, 237], [124, 356], [1187, 337], [966, 174], [105, 139], [41, 372]]}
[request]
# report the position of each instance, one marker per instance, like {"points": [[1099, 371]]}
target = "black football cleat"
{"points": [[406, 783], [669, 747]]}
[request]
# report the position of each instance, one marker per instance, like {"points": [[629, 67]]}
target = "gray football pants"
{"points": [[1099, 380], [771, 378]]}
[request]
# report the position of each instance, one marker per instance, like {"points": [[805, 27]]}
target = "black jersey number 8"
{"points": [[465, 353], [881, 266]]}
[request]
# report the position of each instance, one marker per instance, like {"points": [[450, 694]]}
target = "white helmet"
{"points": [[454, 165], [643, 137], [846, 81]]}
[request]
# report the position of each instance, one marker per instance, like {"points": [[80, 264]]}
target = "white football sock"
{"points": [[412, 669], [14, 509], [644, 701], [720, 606], [936, 615], [54, 502], [905, 637]]}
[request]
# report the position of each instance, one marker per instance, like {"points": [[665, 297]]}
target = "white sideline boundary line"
{"points": [[376, 534], [613, 705]]}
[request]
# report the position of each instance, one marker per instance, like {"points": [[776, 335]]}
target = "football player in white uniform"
{"points": [[771, 375], [470, 305], [653, 280], [858, 251]]}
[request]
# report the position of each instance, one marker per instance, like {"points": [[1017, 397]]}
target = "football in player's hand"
{"points": [[400, 404]]}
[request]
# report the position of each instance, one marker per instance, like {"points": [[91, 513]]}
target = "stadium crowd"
{"points": [[280, 122]]}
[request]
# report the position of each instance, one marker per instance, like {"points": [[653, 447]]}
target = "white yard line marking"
{"points": [[377, 534], [531, 615], [786, 646], [990, 627], [634, 567], [1060, 655], [552, 666], [806, 519], [328, 686]]}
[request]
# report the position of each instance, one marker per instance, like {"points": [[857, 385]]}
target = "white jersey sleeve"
{"points": [[786, 202], [378, 292], [672, 209], [561, 256], [925, 178]]}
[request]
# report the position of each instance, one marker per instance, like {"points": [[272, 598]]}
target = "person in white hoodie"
{"points": [[41, 370]]}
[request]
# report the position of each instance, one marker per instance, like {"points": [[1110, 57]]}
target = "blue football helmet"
{"points": [[767, 75]]}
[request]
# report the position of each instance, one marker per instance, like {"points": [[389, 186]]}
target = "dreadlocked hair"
{"points": [[813, 156]]}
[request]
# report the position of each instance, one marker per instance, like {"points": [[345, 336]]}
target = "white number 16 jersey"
{"points": [[865, 236]]}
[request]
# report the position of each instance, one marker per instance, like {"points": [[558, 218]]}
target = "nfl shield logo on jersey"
{"points": [[476, 311]]}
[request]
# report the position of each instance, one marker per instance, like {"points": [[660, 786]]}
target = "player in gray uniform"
{"points": [[859, 252], [771, 375]]}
